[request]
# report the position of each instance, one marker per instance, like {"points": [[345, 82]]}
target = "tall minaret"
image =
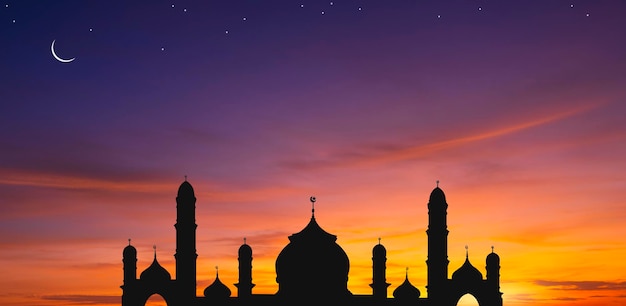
{"points": [[493, 277], [379, 280], [129, 258], [437, 232], [245, 285], [186, 240]]}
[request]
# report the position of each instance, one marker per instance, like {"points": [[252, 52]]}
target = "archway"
{"points": [[467, 300], [156, 300]]}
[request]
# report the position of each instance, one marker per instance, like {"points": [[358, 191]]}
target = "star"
{"points": [[244, 19], [331, 3], [587, 14], [90, 30], [162, 49], [184, 10], [13, 20], [438, 16], [172, 5], [322, 12], [6, 5], [301, 5], [480, 8], [226, 31], [360, 8], [571, 5]]}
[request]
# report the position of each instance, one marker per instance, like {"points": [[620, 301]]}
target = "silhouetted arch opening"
{"points": [[156, 300], [467, 300]]}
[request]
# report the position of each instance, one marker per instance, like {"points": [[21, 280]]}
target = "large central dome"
{"points": [[312, 265]]}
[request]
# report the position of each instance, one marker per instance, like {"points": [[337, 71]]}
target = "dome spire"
{"points": [[244, 240], [378, 240], [492, 249], [128, 241], [154, 248], [437, 183], [312, 199], [185, 177], [466, 252]]}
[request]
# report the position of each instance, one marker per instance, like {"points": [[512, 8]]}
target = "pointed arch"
{"points": [[467, 300], [155, 300]]}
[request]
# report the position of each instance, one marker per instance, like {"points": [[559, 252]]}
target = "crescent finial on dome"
{"points": [[312, 199]]}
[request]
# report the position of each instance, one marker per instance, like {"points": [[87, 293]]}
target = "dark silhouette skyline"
{"points": [[311, 268]]}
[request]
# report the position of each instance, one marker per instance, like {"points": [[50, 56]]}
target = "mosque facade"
{"points": [[311, 269]]}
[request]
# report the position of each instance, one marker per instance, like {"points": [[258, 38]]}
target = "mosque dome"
{"points": [[245, 250], [467, 273], [312, 264], [217, 290], [155, 272], [406, 290], [185, 190], [129, 251], [437, 196], [379, 251], [493, 259]]}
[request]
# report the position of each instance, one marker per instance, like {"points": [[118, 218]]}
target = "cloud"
{"points": [[384, 153], [84, 299], [582, 285]]}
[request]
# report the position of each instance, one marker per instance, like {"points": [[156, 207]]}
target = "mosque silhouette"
{"points": [[311, 269]]}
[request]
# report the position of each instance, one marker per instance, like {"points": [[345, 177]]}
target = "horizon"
{"points": [[516, 108]]}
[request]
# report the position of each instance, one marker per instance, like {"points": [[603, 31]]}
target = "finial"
{"points": [[492, 249], [244, 240], [312, 199], [407, 272], [217, 271], [128, 241], [185, 177], [466, 251], [154, 248], [437, 183], [379, 240]]}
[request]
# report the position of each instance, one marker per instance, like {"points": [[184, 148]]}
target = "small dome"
{"points": [[129, 252], [467, 273], [185, 190], [406, 291], [245, 251], [379, 251], [155, 272], [493, 259], [437, 196], [217, 290]]}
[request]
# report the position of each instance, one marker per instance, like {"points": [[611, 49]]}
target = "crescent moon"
{"points": [[57, 57]]}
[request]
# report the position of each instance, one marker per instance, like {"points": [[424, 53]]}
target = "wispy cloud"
{"points": [[84, 299], [582, 285], [383, 153]]}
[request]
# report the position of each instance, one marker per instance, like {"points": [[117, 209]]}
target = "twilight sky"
{"points": [[517, 107]]}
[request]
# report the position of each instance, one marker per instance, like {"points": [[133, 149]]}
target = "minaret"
{"points": [[493, 276], [245, 285], [379, 281], [129, 258], [437, 232], [186, 240]]}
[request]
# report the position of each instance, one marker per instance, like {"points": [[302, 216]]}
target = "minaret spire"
{"points": [[466, 252]]}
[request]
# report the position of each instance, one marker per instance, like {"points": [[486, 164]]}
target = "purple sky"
{"points": [[263, 103]]}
